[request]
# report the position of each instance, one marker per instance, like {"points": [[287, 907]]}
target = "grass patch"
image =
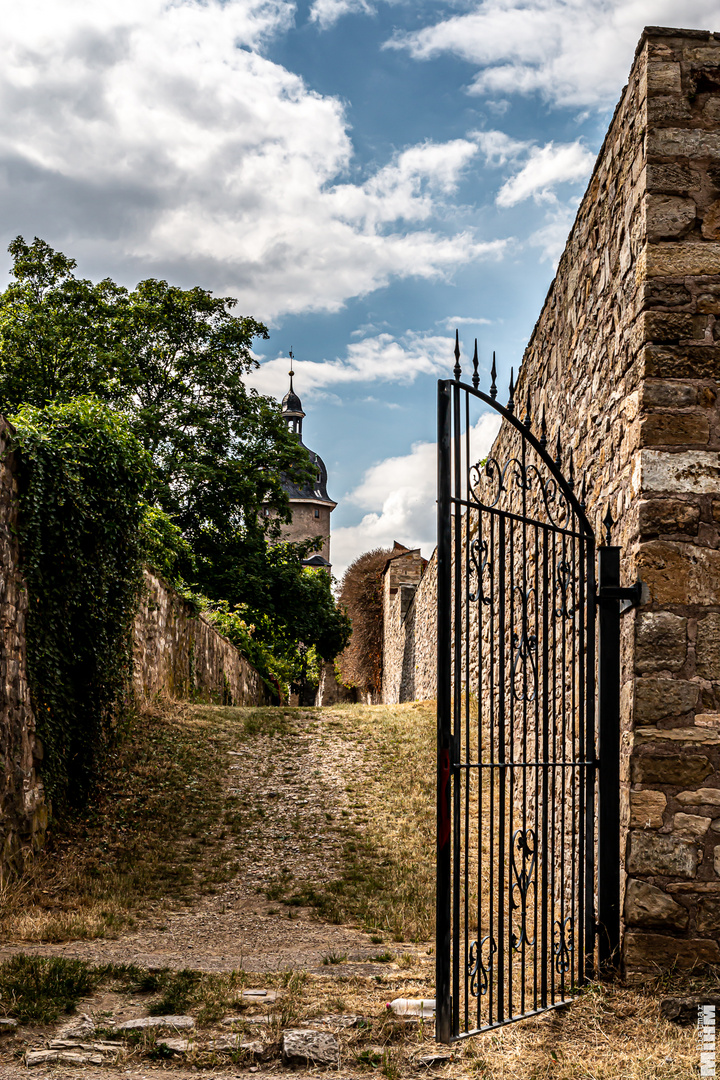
{"points": [[148, 834], [40, 989]]}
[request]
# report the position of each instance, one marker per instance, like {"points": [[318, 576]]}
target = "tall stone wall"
{"points": [[180, 655], [23, 812], [625, 360]]}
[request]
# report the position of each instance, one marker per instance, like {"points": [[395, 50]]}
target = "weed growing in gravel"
{"points": [[36, 988]]}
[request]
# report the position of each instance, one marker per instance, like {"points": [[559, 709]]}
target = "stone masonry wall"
{"points": [[23, 812], [180, 655], [625, 359]]}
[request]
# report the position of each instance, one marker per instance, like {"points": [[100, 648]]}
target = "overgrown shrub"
{"points": [[362, 594], [81, 478]]}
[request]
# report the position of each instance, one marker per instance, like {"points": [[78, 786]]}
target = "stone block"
{"points": [[660, 641], [674, 429], [646, 905], [668, 109], [677, 573], [681, 770], [692, 472], [656, 699], [690, 826], [663, 78], [665, 327], [668, 516], [686, 734], [683, 1010], [683, 142], [707, 647], [675, 178], [656, 853], [710, 227], [683, 260], [668, 393], [646, 809], [307, 1048], [669, 216], [708, 917], [682, 361], [716, 859], [646, 951], [705, 796]]}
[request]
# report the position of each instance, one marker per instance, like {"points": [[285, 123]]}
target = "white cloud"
{"points": [[399, 495], [381, 358], [572, 52], [153, 137], [500, 148], [546, 167], [463, 320], [327, 12], [552, 236]]}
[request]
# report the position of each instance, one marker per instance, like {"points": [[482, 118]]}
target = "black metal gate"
{"points": [[517, 754]]}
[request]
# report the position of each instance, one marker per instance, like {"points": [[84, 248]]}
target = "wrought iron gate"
{"points": [[516, 719]]}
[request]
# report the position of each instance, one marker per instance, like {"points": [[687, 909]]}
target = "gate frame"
{"points": [[603, 783]]}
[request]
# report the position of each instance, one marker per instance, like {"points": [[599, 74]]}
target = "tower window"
{"points": [[317, 513]]}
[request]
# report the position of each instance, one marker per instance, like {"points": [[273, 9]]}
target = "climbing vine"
{"points": [[81, 478]]}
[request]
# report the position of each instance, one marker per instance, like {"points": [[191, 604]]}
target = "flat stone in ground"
{"points": [[233, 1043], [177, 1046], [433, 1061], [65, 1057], [305, 1047], [7, 1026], [79, 1027], [263, 996], [156, 1021], [683, 1009], [341, 1020]]}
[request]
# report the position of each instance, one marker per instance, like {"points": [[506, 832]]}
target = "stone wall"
{"points": [[23, 812], [180, 655], [625, 360]]}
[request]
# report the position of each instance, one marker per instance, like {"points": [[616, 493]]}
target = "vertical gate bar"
{"points": [[536, 750], [563, 770], [457, 699], [466, 682], [609, 760], [443, 1023], [575, 815], [582, 673], [481, 657], [544, 955], [492, 1003], [525, 645], [553, 769], [501, 776], [590, 757], [510, 772]]}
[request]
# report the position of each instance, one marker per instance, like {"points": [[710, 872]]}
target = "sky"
{"points": [[363, 176]]}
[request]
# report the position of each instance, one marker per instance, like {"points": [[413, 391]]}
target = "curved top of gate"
{"points": [[558, 493]]}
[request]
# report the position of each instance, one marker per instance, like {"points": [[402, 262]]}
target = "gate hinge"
{"points": [[630, 596]]}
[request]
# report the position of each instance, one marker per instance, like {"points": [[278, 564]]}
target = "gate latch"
{"points": [[630, 596]]}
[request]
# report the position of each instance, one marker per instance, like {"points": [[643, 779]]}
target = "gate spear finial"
{"points": [[511, 401], [558, 451], [608, 523], [543, 429], [583, 494], [493, 375], [476, 377], [457, 370], [527, 421], [571, 471]]}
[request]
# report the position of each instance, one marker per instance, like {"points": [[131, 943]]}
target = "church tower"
{"points": [[310, 504]]}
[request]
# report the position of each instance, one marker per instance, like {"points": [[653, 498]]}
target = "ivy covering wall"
{"points": [[82, 474]]}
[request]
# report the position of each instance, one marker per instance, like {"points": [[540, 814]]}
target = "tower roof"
{"points": [[314, 490], [291, 404]]}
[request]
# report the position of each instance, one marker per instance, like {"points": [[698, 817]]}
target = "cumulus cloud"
{"points": [[572, 52], [381, 358], [399, 495], [546, 167], [327, 12], [498, 147], [154, 137]]}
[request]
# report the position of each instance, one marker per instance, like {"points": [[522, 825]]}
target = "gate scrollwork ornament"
{"points": [[524, 844], [480, 972], [480, 563], [563, 944]]}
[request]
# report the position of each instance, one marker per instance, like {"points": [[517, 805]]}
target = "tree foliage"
{"points": [[361, 592], [81, 477]]}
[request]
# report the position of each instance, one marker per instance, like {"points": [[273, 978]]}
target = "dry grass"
{"points": [[138, 845]]}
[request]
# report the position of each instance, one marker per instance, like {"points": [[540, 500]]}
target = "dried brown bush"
{"points": [[361, 592]]}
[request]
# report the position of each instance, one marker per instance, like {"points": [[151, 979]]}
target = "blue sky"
{"points": [[363, 175]]}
